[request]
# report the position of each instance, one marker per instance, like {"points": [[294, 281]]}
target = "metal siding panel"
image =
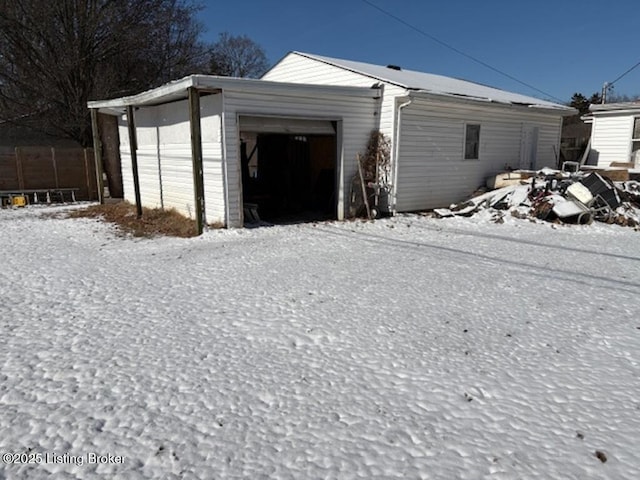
{"points": [[149, 173], [432, 172], [611, 139], [549, 143], [125, 162], [164, 154], [148, 162], [298, 69], [213, 182], [167, 130], [211, 106], [177, 178]]}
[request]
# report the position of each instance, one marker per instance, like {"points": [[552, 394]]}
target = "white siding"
{"points": [[125, 161], [356, 117], [296, 68], [611, 139], [211, 126], [432, 171], [164, 158], [548, 141], [148, 165]]}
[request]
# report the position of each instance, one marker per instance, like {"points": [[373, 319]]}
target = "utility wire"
{"points": [[610, 84], [459, 52]]}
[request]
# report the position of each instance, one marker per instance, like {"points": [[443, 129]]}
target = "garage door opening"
{"points": [[289, 177]]}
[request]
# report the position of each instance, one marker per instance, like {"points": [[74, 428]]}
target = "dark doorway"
{"points": [[289, 178]]}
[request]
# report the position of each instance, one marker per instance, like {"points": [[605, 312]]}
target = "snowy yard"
{"points": [[408, 348]]}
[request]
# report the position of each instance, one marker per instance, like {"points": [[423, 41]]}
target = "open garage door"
{"points": [[286, 126], [288, 169]]}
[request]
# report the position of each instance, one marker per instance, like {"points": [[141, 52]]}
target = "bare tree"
{"points": [[55, 56], [238, 56]]}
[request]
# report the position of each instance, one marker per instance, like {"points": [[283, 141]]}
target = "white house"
{"points": [[448, 135], [615, 134], [208, 145]]}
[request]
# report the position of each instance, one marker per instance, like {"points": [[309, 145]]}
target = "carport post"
{"points": [[133, 145], [97, 153], [196, 156]]}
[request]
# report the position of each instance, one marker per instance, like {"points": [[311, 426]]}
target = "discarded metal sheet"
{"points": [[507, 179], [565, 209], [579, 192]]}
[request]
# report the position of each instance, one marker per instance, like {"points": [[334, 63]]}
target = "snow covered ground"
{"points": [[407, 348]]}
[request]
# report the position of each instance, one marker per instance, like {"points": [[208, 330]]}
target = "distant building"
{"points": [[615, 133]]}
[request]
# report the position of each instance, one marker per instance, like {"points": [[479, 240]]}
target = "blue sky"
{"points": [[559, 47]]}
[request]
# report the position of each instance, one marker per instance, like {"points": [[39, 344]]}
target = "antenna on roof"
{"points": [[394, 67]]}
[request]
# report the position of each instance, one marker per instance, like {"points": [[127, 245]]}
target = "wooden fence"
{"points": [[30, 168]]}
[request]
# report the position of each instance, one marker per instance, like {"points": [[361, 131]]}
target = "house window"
{"points": [[472, 141], [635, 140]]}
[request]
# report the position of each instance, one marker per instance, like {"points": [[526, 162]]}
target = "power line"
{"points": [[608, 86], [624, 74], [459, 52]]}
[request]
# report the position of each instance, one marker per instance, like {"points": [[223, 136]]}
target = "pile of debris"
{"points": [[558, 196]]}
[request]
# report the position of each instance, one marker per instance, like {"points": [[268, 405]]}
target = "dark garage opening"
{"points": [[288, 178]]}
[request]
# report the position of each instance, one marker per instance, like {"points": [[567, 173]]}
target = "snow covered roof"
{"points": [[438, 84], [622, 107]]}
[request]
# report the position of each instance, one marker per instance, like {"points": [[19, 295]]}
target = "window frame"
{"points": [[473, 153], [635, 140]]}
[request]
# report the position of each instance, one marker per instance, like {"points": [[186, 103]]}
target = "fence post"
{"points": [[55, 166], [97, 152], [19, 171], [86, 175]]}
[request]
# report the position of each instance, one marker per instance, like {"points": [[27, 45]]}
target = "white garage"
{"points": [[215, 148], [207, 146]]}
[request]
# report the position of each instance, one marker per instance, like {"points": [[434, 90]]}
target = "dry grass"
{"points": [[153, 222]]}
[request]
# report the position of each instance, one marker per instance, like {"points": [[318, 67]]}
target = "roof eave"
{"points": [[177, 90], [353, 70], [154, 96], [614, 108], [560, 110]]}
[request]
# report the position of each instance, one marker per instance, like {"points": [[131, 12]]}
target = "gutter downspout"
{"points": [[396, 153], [97, 152]]}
